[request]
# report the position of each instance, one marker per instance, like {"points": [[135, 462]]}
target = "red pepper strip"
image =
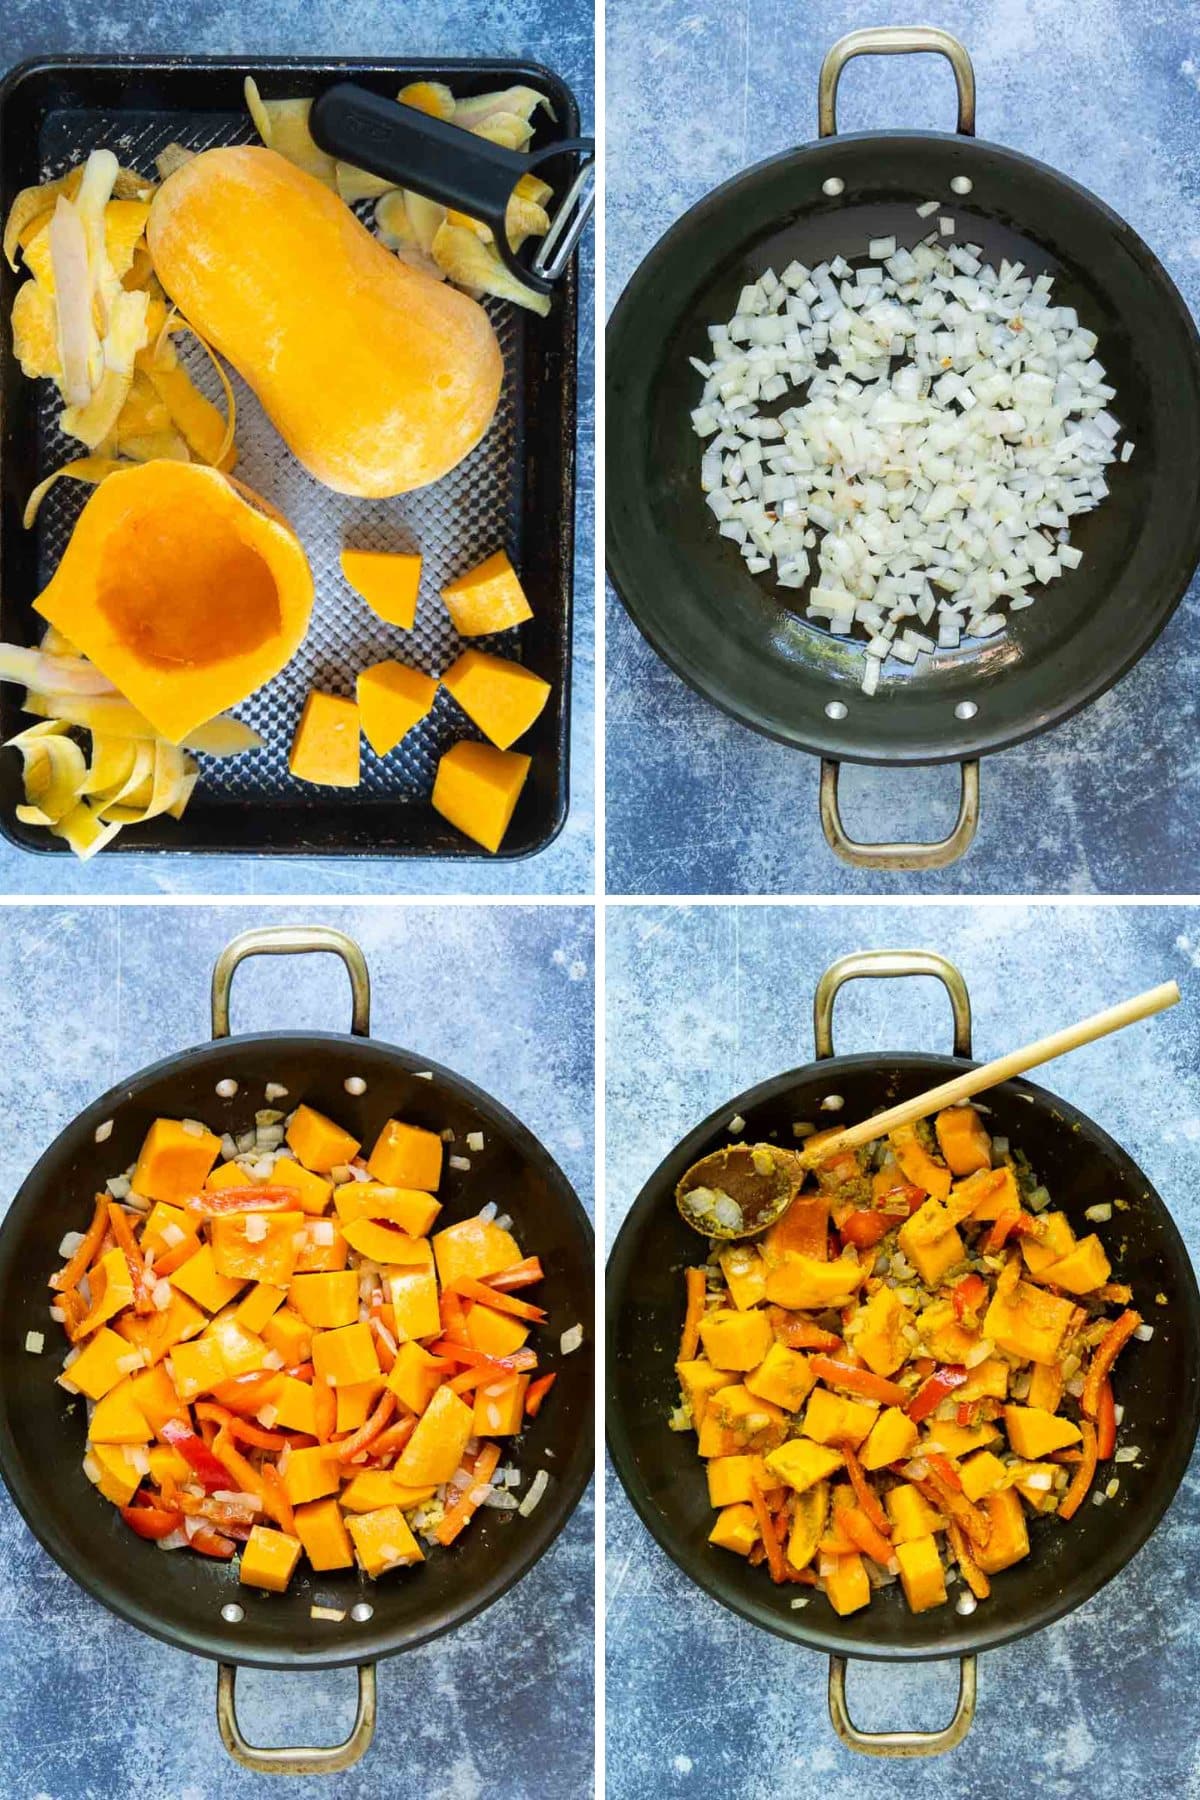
{"points": [[326, 1408], [366, 1434], [241, 1199], [857, 1381], [243, 1432], [454, 1317], [863, 1535], [464, 1508], [522, 1274], [122, 1230], [275, 1497], [945, 1470], [394, 1438], [1009, 1224], [968, 1296], [956, 1506], [696, 1285], [519, 1361], [73, 1271], [865, 1229], [1103, 1358], [940, 1385], [798, 1333], [469, 1379], [1082, 1479], [211, 1543], [470, 1289], [149, 1519], [864, 1493], [536, 1392], [965, 1413], [299, 1371], [211, 1473], [776, 1560], [1106, 1422]]}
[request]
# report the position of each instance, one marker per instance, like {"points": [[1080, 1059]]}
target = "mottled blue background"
{"points": [[90, 1709], [556, 32], [702, 1003], [1106, 91]]}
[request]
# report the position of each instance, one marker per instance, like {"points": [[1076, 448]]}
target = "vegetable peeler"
{"points": [[457, 169]]}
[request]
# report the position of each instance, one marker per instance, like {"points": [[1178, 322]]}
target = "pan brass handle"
{"points": [[886, 965], [308, 1759], [289, 940], [900, 856], [895, 40], [902, 1743]]}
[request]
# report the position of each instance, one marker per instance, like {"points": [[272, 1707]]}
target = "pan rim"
{"points": [[969, 739], [975, 1636], [369, 1643]]}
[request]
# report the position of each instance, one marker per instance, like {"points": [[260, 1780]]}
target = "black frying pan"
{"points": [[1158, 1383], [744, 643], [178, 1596]]}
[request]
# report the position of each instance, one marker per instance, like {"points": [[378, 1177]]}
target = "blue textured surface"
{"points": [[89, 1708], [704, 1002], [1105, 92], [558, 34]]}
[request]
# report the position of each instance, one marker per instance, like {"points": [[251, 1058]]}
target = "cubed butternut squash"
{"points": [[477, 787], [118, 1419], [487, 598], [922, 1169], [322, 1530], [699, 1381], [1086, 1267], [111, 1286], [325, 748], [269, 1558], [809, 1513], [435, 1449], [154, 1393], [931, 1242], [1045, 1386], [736, 1529], [374, 1488], [500, 1407], [409, 1208], [783, 1376], [831, 1419], [963, 1140], [286, 1333], [880, 1339], [805, 1284], [414, 1377], [154, 1334], [753, 1423], [227, 1175], [101, 1364], [800, 1463], [987, 1194], [311, 1474], [1008, 1540], [312, 1191], [345, 1355], [120, 1475], [174, 1161], [957, 1440], [168, 1227], [256, 1307], [318, 1143], [323, 1251], [326, 1301], [408, 1156], [745, 1275], [1027, 1322], [921, 1574], [495, 1333], [1054, 1239], [891, 1437], [388, 580], [383, 1541], [355, 1399], [295, 1406], [735, 1340], [413, 1288], [846, 1585], [197, 1367], [1034, 1433], [729, 1479], [475, 1248], [256, 1246], [982, 1474], [502, 697], [201, 1281], [911, 1514]]}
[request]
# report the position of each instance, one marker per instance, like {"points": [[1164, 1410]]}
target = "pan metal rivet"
{"points": [[227, 1088], [966, 709], [362, 1611], [232, 1613], [835, 709], [961, 184], [833, 185]]}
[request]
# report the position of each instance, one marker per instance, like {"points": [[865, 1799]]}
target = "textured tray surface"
{"points": [[455, 523]]}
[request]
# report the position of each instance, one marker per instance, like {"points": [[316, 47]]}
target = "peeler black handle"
{"points": [[447, 164]]}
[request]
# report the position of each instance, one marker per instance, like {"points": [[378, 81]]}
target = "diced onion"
{"points": [[475, 1141], [537, 1488], [571, 1339], [334, 1613], [35, 1342]]}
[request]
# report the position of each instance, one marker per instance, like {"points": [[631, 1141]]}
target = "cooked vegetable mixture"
{"points": [[277, 1355], [912, 1359]]}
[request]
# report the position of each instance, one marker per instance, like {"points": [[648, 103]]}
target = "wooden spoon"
{"points": [[761, 1180]]}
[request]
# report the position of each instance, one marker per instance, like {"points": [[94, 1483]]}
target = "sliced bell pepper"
{"points": [[1009, 1224], [148, 1519], [240, 1199], [835, 1373], [465, 1507], [864, 1493], [536, 1392], [796, 1332], [865, 1229], [776, 1560], [212, 1543], [696, 1283], [470, 1289], [369, 1430], [968, 1295], [1106, 1422], [864, 1536], [1103, 1358], [940, 1385], [74, 1270], [211, 1473], [1084, 1474], [522, 1274]]}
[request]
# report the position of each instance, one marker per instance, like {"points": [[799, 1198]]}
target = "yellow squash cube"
{"points": [[118, 1419], [911, 1514], [318, 1143], [415, 1300], [320, 1253], [383, 1541], [1009, 1539], [735, 1340], [286, 1333], [155, 1333], [1033, 1433], [415, 1377], [179, 1227], [921, 1574], [197, 1367], [891, 1438], [435, 1449], [801, 1464], [119, 1475], [388, 580], [1028, 1322], [409, 1208], [113, 1286], [174, 1162], [312, 1191], [699, 1381], [199, 1280], [228, 1175], [326, 1301], [325, 747], [258, 1305], [500, 1407], [847, 1586], [322, 1530], [807, 1284], [377, 1241], [155, 1397], [104, 1360], [879, 1339], [753, 1423], [407, 1156], [982, 1474], [477, 787], [373, 1488], [295, 1406], [1085, 1268], [729, 1479], [1054, 1240], [475, 1248], [931, 1242], [257, 1246], [983, 1197], [495, 1333], [354, 1403], [745, 1275], [918, 1166], [487, 598], [784, 1377], [392, 698], [268, 1559], [311, 1474], [830, 1419], [241, 1350], [502, 697], [736, 1529], [345, 1355]]}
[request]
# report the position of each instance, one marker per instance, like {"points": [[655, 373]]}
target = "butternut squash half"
{"points": [[379, 378], [185, 594]]}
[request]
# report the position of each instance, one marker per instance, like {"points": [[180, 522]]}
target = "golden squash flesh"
{"points": [[379, 378], [185, 594]]}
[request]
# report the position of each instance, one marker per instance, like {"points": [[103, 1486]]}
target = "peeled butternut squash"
{"points": [[184, 593], [378, 378]]}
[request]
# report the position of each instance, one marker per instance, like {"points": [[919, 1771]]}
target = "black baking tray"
{"points": [[516, 490]]}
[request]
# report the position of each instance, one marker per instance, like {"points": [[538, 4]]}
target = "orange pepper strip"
{"points": [[799, 1333], [73, 1271], [394, 1438], [864, 1493], [247, 1393], [470, 1378], [857, 1381], [956, 1506], [513, 1364], [863, 1535], [326, 1408], [1106, 1422], [1103, 1358], [143, 1301], [275, 1496], [776, 1561], [1082, 1479], [73, 1307], [697, 1286], [470, 1289], [366, 1434], [454, 1317], [242, 1431], [240, 1199], [174, 1258], [522, 1274], [1006, 1224], [972, 1574], [383, 1345], [944, 1470], [245, 1477], [536, 1392], [465, 1507]]}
